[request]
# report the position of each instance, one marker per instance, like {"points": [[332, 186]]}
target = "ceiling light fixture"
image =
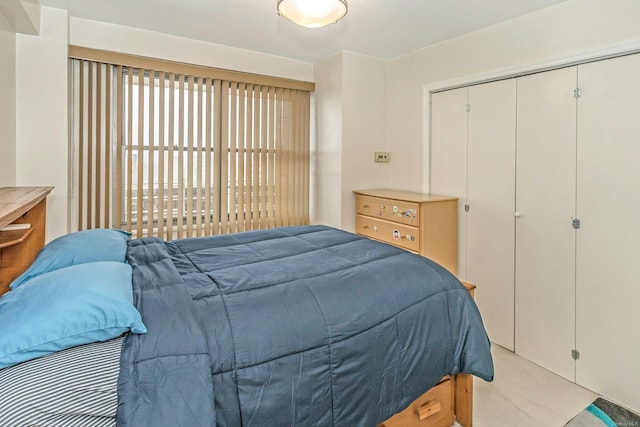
{"points": [[312, 13]]}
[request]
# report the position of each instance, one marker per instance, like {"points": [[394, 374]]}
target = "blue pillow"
{"points": [[77, 248], [68, 307]]}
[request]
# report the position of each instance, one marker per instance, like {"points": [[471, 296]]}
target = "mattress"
{"points": [[73, 387]]}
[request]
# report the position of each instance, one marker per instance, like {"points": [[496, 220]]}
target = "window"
{"points": [[172, 150]]}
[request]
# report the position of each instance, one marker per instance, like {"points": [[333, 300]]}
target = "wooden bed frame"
{"points": [[449, 399]]}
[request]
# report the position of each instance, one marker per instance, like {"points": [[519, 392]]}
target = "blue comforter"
{"points": [[297, 326]]}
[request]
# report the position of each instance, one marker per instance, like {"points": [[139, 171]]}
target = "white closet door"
{"points": [[545, 237], [491, 194], [449, 157], [608, 245]]}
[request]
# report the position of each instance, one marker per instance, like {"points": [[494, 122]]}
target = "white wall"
{"points": [[7, 105], [135, 41], [351, 125], [571, 28], [364, 125], [42, 103], [4, 24], [328, 142], [42, 114]]}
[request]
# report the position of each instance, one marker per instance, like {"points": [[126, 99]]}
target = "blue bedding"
{"points": [[296, 326]]}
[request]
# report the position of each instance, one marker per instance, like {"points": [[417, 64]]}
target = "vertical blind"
{"points": [[170, 150]]}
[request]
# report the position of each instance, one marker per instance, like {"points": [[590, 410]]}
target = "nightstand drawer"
{"points": [[396, 234], [390, 210]]}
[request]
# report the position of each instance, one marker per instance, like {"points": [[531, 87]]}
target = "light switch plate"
{"points": [[381, 157]]}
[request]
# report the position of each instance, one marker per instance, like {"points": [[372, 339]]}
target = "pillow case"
{"points": [[67, 307], [99, 244]]}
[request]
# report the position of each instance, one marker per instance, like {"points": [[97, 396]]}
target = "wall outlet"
{"points": [[381, 157]]}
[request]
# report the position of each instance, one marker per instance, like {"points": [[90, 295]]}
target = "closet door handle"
{"points": [[517, 214]]}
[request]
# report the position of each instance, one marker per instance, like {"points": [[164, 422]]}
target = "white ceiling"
{"points": [[384, 29]]}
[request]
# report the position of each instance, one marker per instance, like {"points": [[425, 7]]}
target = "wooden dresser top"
{"points": [[407, 196], [15, 201]]}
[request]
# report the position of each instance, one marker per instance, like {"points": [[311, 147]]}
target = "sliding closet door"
{"points": [[545, 206], [449, 157], [608, 255], [491, 194]]}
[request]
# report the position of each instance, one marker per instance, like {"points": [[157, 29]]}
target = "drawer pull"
{"points": [[428, 409], [365, 206], [365, 226]]}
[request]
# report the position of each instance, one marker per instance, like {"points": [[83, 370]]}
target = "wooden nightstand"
{"points": [[422, 223], [18, 248]]}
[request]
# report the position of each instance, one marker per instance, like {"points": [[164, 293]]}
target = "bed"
{"points": [[302, 326]]}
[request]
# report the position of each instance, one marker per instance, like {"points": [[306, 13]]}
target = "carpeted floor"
{"points": [[604, 413]]}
